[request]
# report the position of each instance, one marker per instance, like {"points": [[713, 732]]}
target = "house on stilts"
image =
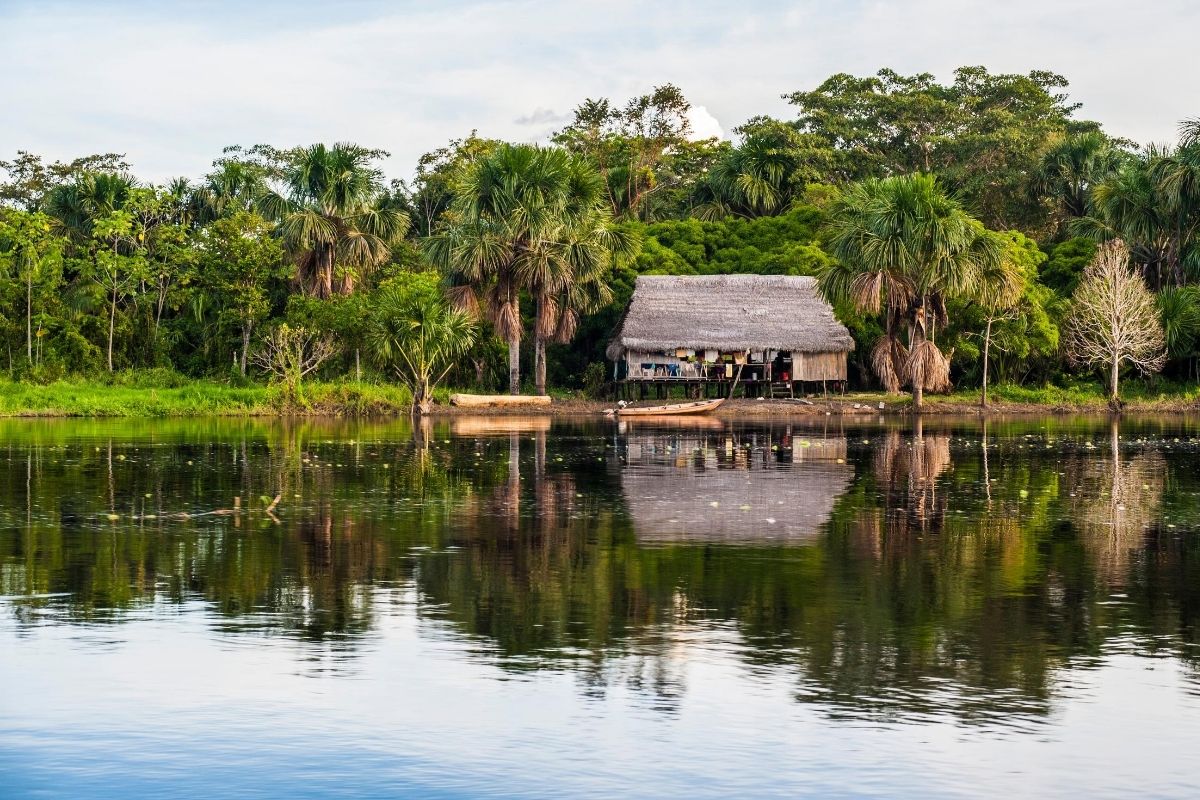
{"points": [[772, 334]]}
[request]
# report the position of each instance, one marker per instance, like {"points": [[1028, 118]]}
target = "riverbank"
{"points": [[195, 398], [152, 396]]}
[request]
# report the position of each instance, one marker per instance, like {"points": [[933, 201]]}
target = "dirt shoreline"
{"points": [[743, 409]]}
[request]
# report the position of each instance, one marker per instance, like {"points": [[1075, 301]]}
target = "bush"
{"points": [[595, 378]]}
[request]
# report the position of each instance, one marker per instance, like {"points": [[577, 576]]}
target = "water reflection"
{"points": [[886, 572], [764, 484]]}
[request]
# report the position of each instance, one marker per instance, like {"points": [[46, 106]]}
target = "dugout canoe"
{"points": [[673, 410]]}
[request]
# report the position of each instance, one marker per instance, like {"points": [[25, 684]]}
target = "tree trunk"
{"points": [[987, 342], [1113, 396], [917, 379], [539, 364], [29, 317], [422, 397], [112, 323], [325, 289], [245, 345], [357, 367], [514, 353]]}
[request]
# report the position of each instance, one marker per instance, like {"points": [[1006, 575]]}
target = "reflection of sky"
{"points": [[184, 700], [160, 707]]}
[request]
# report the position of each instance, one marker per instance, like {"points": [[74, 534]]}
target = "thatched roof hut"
{"points": [[727, 313]]}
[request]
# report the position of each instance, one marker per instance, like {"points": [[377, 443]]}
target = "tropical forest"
{"points": [[976, 233]]}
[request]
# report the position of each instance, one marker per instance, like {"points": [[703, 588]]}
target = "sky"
{"points": [[169, 84]]}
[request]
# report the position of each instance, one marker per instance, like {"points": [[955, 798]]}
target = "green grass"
{"points": [[163, 393], [1083, 395], [131, 396]]}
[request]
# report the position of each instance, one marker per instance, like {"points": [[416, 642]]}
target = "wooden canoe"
{"points": [[499, 400], [674, 410]]}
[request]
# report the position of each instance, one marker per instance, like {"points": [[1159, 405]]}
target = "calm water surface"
{"points": [[506, 607]]}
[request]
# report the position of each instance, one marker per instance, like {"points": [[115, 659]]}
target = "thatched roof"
{"points": [[729, 312]]}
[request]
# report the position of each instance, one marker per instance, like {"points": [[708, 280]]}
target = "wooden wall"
{"points": [[819, 366]]}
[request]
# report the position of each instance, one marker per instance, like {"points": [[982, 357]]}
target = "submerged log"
{"points": [[470, 400]]}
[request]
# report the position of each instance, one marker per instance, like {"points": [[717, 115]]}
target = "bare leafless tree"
{"points": [[290, 354], [1114, 319]]}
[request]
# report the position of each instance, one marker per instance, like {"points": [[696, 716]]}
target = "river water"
{"points": [[532, 608]]}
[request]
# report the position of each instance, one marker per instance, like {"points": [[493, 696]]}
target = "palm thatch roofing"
{"points": [[728, 313]]}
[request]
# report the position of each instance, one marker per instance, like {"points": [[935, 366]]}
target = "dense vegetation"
{"points": [[539, 246]]}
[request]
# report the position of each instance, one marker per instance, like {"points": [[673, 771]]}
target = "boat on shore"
{"points": [[673, 410], [485, 400]]}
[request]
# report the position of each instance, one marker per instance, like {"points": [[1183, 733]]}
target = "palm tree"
{"points": [[420, 338], [335, 219], [76, 206], [1152, 203], [533, 219], [1179, 312], [902, 248], [233, 187], [1070, 169], [761, 176]]}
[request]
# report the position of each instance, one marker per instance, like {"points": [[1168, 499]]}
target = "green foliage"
{"points": [[1152, 203], [1179, 310], [334, 216], [529, 219], [782, 245], [766, 173], [984, 134], [1064, 267], [29, 180], [415, 334], [642, 150], [101, 273], [239, 263]]}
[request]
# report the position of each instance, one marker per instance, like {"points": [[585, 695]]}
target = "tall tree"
{"points": [[902, 248], [1070, 168], [335, 219], [240, 262], [764, 174], [524, 218], [999, 288], [983, 133], [634, 146], [99, 214], [1114, 320], [33, 255]]}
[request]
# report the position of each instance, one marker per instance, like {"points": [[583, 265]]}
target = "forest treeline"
{"points": [[942, 219]]}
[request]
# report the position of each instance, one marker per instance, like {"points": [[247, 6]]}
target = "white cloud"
{"points": [[170, 88], [704, 125]]}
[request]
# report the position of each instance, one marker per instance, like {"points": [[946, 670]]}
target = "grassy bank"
{"points": [[193, 398], [159, 394]]}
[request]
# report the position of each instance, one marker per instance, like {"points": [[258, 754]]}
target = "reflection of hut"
{"points": [[715, 489], [698, 330]]}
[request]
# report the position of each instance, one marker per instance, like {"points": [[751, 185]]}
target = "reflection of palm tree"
{"points": [[909, 471]]}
